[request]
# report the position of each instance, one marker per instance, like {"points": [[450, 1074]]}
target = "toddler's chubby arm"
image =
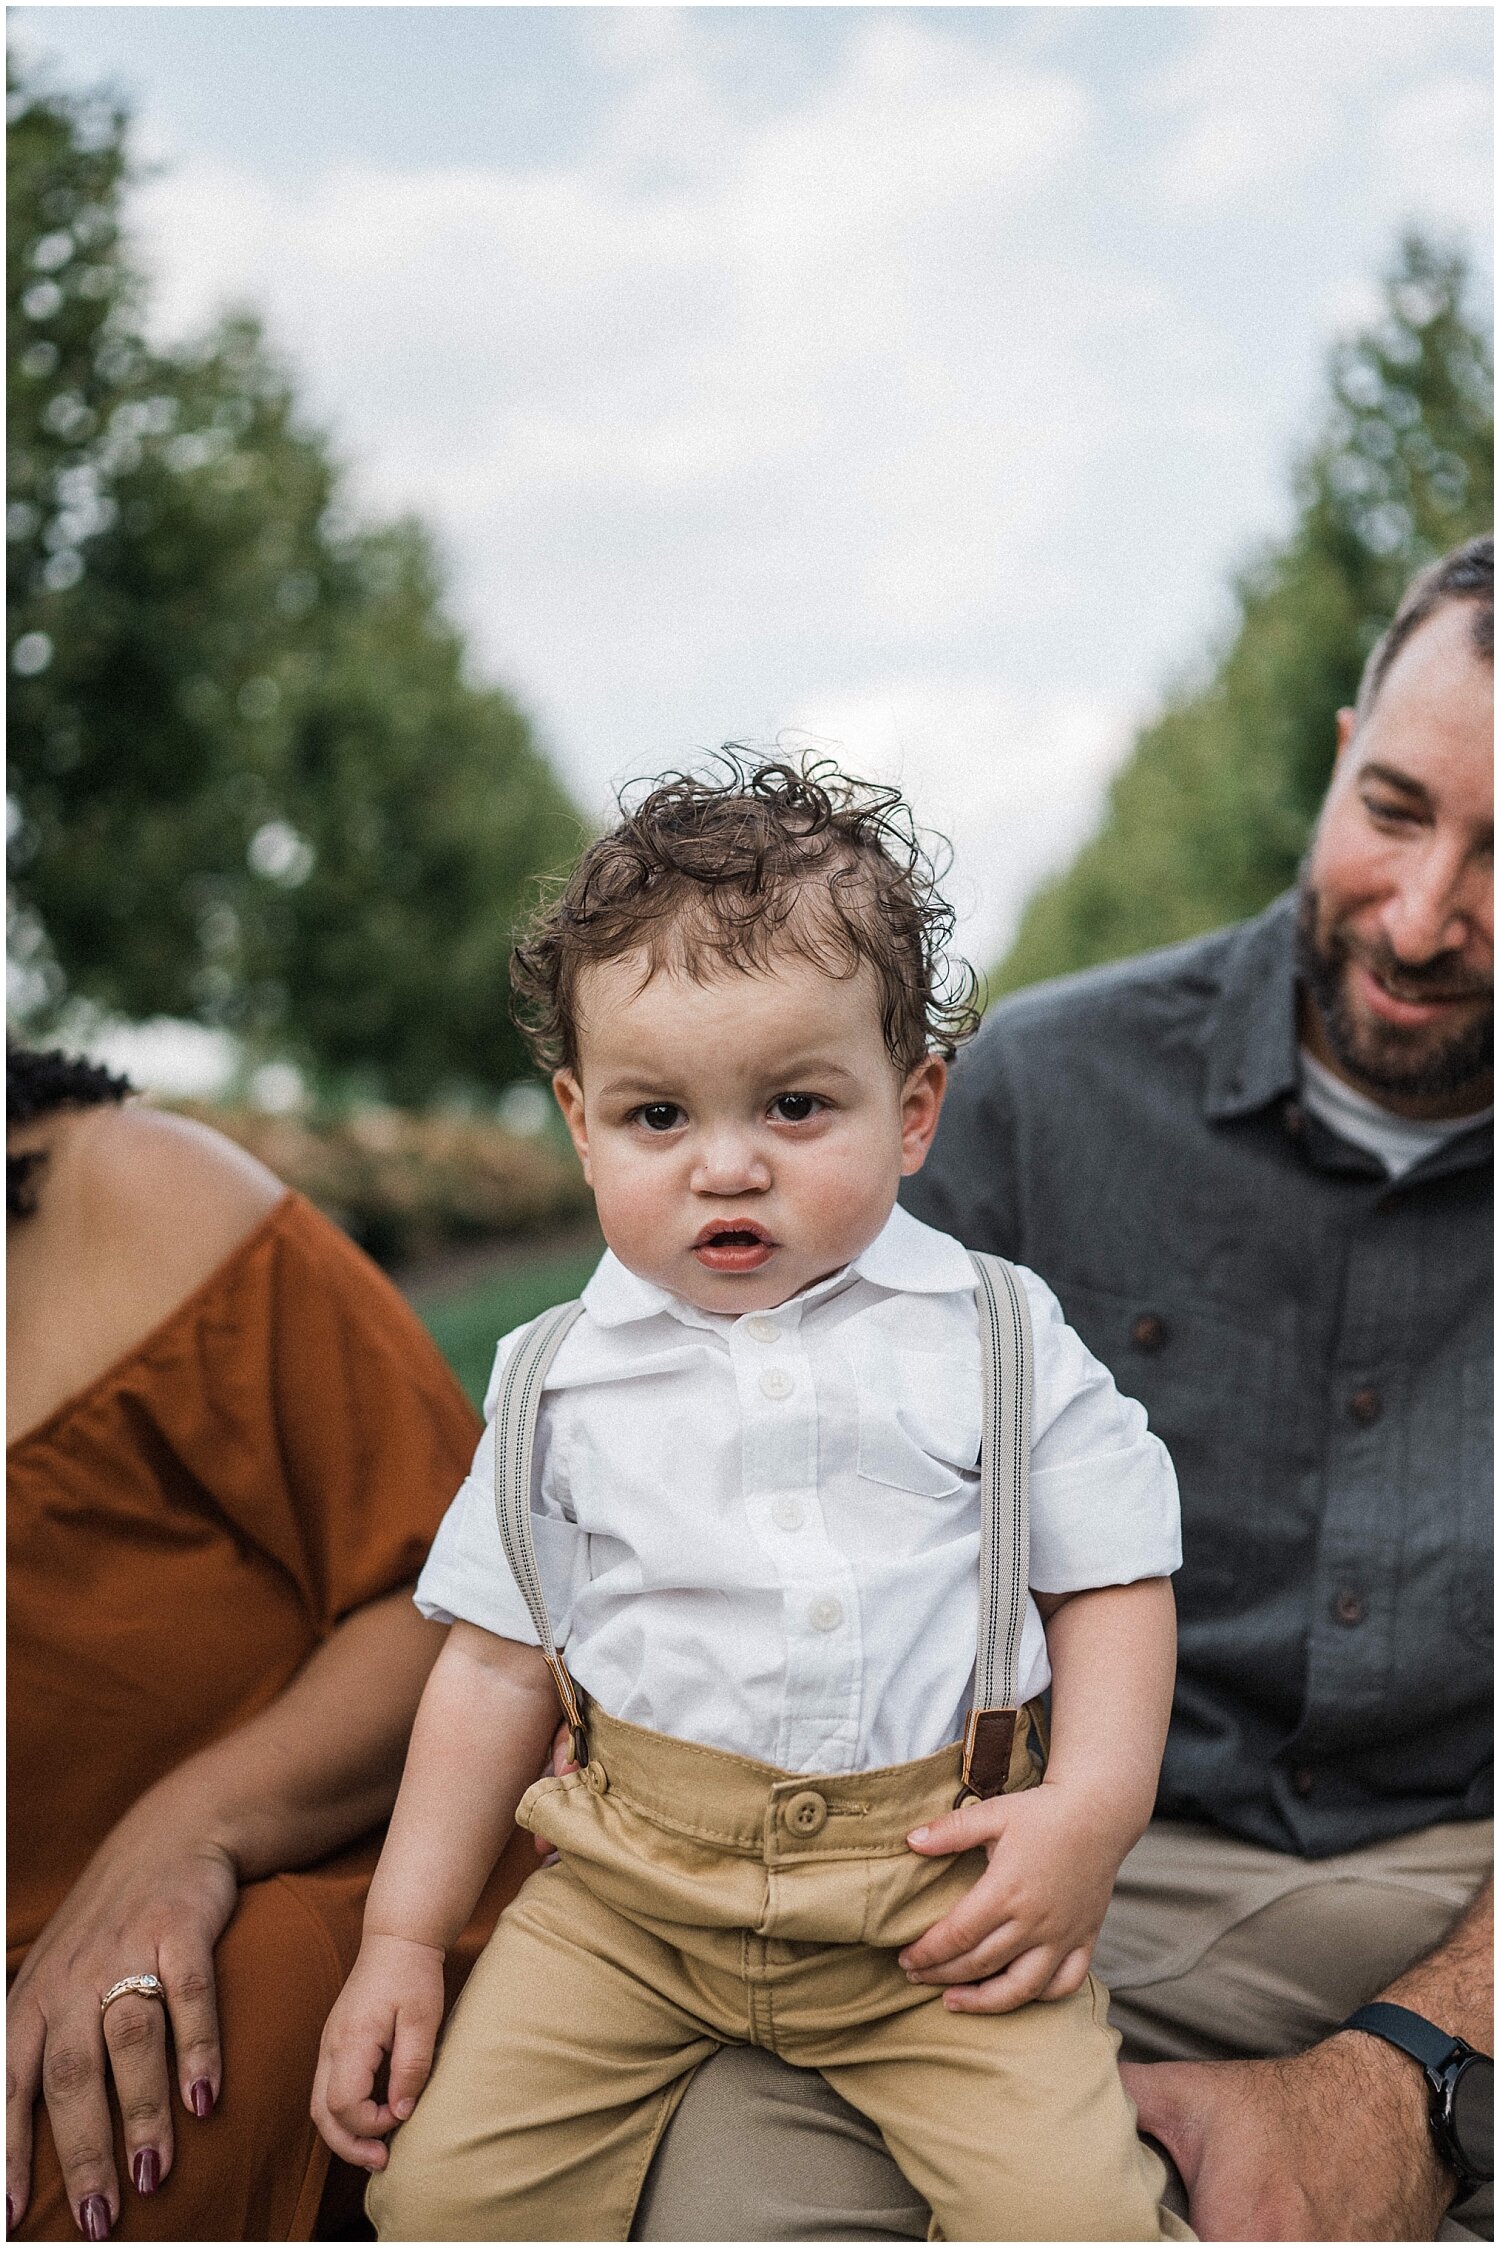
{"points": [[480, 1738], [1028, 1926]]}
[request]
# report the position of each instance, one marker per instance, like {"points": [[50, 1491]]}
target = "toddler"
{"points": [[768, 1487]]}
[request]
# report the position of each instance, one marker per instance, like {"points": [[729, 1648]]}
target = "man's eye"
{"points": [[795, 1108], [660, 1116]]}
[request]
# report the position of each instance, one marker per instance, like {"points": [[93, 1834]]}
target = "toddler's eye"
{"points": [[795, 1108], [660, 1116]]}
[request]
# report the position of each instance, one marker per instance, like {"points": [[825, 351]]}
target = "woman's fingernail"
{"points": [[93, 2217], [201, 2098], [918, 1834], [146, 2170]]}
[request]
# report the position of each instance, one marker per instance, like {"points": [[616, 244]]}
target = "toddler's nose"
{"points": [[730, 1163]]}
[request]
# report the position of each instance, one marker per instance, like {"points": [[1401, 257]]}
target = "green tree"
{"points": [[1209, 818], [251, 782]]}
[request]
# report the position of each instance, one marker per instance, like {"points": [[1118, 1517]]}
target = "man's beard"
{"points": [[1382, 1057]]}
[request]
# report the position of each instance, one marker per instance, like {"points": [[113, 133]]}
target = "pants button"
{"points": [[805, 1814], [595, 1777]]}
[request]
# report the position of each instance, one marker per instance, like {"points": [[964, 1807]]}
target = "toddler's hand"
{"points": [[1027, 1928], [390, 2010], [561, 1760]]}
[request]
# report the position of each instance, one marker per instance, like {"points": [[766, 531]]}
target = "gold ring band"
{"points": [[133, 1986]]}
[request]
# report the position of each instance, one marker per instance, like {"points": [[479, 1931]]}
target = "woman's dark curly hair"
{"points": [[704, 872], [40, 1084]]}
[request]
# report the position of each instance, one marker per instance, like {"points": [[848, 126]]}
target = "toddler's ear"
{"points": [[921, 1106], [570, 1100]]}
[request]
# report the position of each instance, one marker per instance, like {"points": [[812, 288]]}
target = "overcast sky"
{"points": [[912, 377]]}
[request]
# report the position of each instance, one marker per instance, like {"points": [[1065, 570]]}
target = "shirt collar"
{"points": [[1252, 1029], [904, 1256]]}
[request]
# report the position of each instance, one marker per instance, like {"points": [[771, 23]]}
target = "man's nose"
{"points": [[730, 1162], [1429, 912]]}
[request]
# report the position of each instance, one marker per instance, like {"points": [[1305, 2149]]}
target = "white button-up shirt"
{"points": [[762, 1532]]}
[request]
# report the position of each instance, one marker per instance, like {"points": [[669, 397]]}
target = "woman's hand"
{"points": [[384, 2022], [151, 1901]]}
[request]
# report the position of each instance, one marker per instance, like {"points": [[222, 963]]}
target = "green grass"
{"points": [[467, 1325]]}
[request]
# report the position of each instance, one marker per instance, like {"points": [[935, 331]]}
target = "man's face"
{"points": [[1397, 922]]}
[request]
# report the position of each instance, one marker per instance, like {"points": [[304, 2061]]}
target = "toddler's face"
{"points": [[744, 1137]]}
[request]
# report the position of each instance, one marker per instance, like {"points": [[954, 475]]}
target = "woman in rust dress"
{"points": [[230, 1445]]}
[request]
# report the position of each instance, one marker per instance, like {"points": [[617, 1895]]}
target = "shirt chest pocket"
{"points": [[919, 1415]]}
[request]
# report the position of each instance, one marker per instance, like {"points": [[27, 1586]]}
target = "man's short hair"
{"points": [[1467, 574], [703, 874]]}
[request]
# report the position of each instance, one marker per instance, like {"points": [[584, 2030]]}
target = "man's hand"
{"points": [[1028, 1926], [1331, 2144]]}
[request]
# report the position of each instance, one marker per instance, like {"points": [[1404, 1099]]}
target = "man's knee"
{"points": [[757, 2146]]}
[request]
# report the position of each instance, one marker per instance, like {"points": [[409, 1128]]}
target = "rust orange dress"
{"points": [[182, 1536]]}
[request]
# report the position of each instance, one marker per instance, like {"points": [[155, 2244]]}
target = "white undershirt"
{"points": [[763, 1532], [1399, 1142]]}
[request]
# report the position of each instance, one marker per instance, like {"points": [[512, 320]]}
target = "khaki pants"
{"points": [[701, 1901], [1214, 1949]]}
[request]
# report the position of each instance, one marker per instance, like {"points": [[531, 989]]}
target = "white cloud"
{"points": [[901, 408], [1262, 97]]}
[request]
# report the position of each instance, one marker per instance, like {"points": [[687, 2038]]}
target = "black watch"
{"points": [[1460, 2085]]}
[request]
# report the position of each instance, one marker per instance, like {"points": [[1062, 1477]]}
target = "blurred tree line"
{"points": [[1209, 818], [250, 782]]}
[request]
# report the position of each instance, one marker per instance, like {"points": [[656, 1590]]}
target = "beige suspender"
{"points": [[1004, 1481]]}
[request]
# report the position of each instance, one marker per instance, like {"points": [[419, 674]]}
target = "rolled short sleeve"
{"points": [[467, 1578], [1104, 1506]]}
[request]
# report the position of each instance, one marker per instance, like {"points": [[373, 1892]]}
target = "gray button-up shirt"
{"points": [[1312, 1341]]}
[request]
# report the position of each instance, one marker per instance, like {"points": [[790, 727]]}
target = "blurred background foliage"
{"points": [[251, 783], [1210, 815]]}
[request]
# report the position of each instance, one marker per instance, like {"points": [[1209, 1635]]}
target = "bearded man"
{"points": [[1256, 1170]]}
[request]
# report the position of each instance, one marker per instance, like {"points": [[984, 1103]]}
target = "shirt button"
{"points": [[806, 1813], [764, 1330], [787, 1514], [1365, 1405], [1302, 1780], [1149, 1332], [826, 1615], [1348, 1608], [776, 1382]]}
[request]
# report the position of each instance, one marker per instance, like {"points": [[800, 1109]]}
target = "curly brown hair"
{"points": [[704, 872]]}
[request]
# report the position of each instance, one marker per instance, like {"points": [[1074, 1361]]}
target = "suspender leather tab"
{"points": [[989, 1737]]}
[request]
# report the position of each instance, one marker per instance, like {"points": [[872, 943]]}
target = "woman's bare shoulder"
{"points": [[134, 1210], [150, 1177]]}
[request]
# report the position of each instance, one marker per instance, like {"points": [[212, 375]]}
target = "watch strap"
{"points": [[1413, 2033]]}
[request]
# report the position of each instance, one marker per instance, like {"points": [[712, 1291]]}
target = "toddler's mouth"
{"points": [[733, 1248]]}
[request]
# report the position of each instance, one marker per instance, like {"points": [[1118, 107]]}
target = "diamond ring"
{"points": [[139, 1986]]}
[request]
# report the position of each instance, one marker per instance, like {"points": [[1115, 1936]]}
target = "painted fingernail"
{"points": [[93, 2217], [201, 2098], [146, 2170]]}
